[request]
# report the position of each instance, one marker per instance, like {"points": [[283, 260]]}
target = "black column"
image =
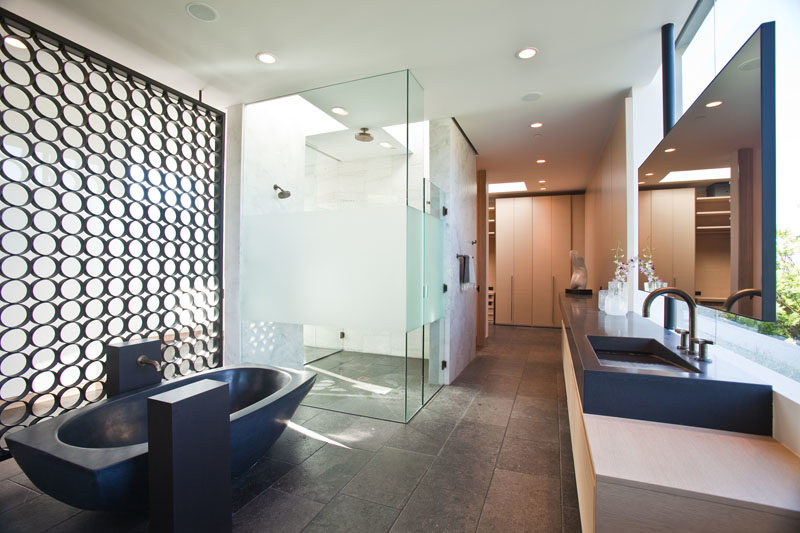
{"points": [[189, 459], [668, 76]]}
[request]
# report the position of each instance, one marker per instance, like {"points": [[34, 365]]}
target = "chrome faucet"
{"points": [[692, 311], [739, 295], [143, 360]]}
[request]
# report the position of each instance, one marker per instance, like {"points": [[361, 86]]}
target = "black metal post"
{"points": [[668, 76]]}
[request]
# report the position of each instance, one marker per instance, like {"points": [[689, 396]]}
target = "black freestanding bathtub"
{"points": [[96, 457]]}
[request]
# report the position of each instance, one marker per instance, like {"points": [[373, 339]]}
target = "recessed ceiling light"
{"points": [[513, 186], [537, 125], [266, 58], [531, 97], [540, 161], [527, 53], [542, 188], [386, 145], [202, 12], [668, 150], [715, 103], [542, 181], [649, 174], [641, 183], [14, 42], [340, 111]]}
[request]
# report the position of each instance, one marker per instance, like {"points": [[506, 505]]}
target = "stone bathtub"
{"points": [[96, 457]]}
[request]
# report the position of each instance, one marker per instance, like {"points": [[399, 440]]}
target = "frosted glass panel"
{"points": [[415, 246], [434, 269], [326, 267]]}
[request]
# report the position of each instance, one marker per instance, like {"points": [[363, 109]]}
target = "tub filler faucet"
{"points": [[124, 364], [143, 360]]}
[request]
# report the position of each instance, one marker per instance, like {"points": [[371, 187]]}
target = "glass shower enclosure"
{"points": [[341, 235]]}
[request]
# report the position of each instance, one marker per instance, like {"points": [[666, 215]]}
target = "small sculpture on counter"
{"points": [[579, 276]]}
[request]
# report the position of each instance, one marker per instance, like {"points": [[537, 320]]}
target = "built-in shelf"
{"points": [[491, 233], [709, 198], [713, 228], [714, 212], [492, 220]]}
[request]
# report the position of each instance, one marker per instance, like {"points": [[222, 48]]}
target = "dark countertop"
{"points": [[721, 396]]}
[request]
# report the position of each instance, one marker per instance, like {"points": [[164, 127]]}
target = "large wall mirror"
{"points": [[707, 192]]}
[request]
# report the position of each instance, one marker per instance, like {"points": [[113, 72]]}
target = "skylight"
{"points": [[704, 174], [512, 186]]}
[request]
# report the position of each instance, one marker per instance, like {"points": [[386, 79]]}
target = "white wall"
{"points": [[56, 17], [453, 170]]}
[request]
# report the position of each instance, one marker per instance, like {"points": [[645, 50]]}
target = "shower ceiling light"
{"points": [[537, 125], [540, 161], [364, 136], [202, 12], [340, 111], [715, 103], [670, 150], [266, 58], [386, 145], [527, 53]]}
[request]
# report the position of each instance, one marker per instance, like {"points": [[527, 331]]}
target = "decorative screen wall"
{"points": [[110, 223]]}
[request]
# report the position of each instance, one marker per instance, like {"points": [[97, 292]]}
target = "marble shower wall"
{"points": [[453, 170]]}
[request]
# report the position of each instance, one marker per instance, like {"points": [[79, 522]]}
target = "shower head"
{"points": [[283, 194], [364, 135]]}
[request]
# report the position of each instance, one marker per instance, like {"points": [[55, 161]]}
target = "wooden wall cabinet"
{"points": [[533, 238], [667, 223]]}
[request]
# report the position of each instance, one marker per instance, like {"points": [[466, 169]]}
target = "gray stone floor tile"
{"points": [[354, 431], [435, 509], [426, 433], [322, 476], [540, 387], [530, 457], [473, 441], [532, 407], [345, 514], [257, 480], [293, 447], [569, 489], [13, 495], [521, 502], [37, 515], [97, 521], [390, 477], [277, 511], [304, 414], [23, 480], [9, 468], [456, 473], [571, 520], [490, 410], [538, 429]]}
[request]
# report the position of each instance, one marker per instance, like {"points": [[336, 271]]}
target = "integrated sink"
{"points": [[638, 353]]}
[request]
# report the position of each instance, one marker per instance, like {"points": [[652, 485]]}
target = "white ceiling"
{"points": [[462, 52]]}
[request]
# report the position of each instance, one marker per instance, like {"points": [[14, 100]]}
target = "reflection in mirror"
{"points": [[706, 193]]}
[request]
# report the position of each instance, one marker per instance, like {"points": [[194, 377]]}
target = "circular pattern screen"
{"points": [[110, 224]]}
